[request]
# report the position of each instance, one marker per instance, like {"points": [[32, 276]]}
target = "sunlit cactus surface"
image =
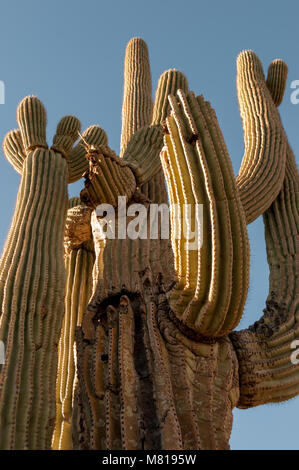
{"points": [[131, 342]]}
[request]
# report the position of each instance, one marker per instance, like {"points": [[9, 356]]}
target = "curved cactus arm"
{"points": [[79, 262], [142, 154], [77, 162], [212, 279], [277, 80], [267, 371], [67, 133], [137, 106], [262, 170], [32, 120], [13, 149], [108, 178], [32, 290]]}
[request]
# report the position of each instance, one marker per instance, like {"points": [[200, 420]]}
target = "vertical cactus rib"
{"points": [[169, 82], [28, 319], [199, 172], [262, 170], [240, 244], [137, 94], [128, 411], [264, 350], [138, 112], [79, 264], [112, 414], [171, 434]]}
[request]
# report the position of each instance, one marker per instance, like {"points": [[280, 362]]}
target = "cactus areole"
{"points": [[131, 342]]}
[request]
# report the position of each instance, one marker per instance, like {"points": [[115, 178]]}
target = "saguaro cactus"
{"points": [[32, 277], [31, 289], [157, 363]]}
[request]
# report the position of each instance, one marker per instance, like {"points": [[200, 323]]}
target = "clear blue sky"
{"points": [[70, 54]]}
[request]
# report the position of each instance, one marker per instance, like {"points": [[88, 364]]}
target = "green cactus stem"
{"points": [[262, 170], [32, 278], [142, 153], [139, 111], [67, 133], [79, 262], [169, 83], [107, 178], [31, 264], [137, 106], [198, 171], [264, 350], [277, 80], [13, 149]]}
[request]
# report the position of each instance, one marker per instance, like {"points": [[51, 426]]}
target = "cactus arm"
{"points": [[32, 263], [139, 112], [32, 278], [79, 262], [142, 154], [277, 80], [67, 133], [212, 281], [267, 373], [13, 149], [108, 178], [262, 170], [137, 106], [169, 82], [77, 163], [28, 324]]}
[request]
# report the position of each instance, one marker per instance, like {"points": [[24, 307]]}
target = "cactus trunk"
{"points": [[32, 303]]}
